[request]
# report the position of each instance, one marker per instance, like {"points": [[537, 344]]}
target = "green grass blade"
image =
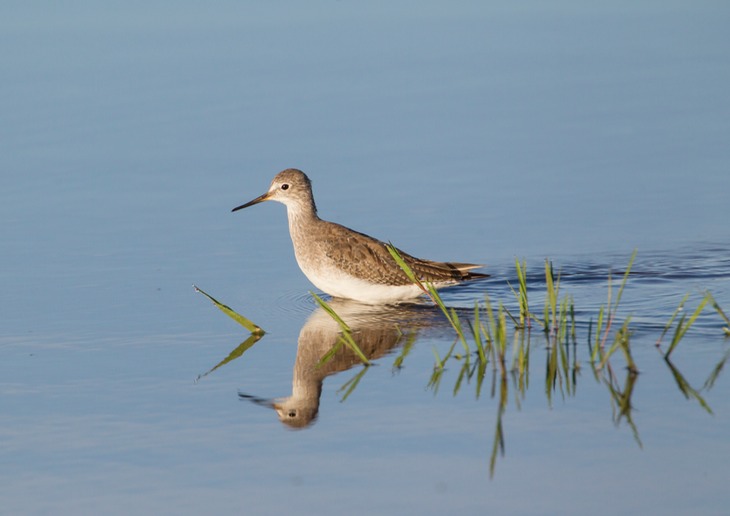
{"points": [[515, 293], [456, 323], [551, 298], [430, 291], [478, 330], [614, 346], [613, 309], [524, 303], [490, 326], [599, 329], [717, 308], [682, 328], [521, 294], [672, 318], [608, 313], [246, 323], [404, 266], [625, 280], [625, 345]]}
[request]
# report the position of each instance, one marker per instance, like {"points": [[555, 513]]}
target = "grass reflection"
{"points": [[621, 400], [236, 353]]}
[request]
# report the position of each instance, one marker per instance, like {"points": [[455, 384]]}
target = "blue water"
{"points": [[477, 132]]}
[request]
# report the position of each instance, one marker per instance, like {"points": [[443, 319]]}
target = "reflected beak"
{"points": [[260, 198], [263, 402]]}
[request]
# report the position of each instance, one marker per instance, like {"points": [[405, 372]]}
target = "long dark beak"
{"points": [[260, 198]]}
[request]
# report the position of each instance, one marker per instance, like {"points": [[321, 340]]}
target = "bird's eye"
{"points": [[285, 186]]}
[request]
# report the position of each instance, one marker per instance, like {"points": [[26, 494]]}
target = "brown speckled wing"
{"points": [[367, 258]]}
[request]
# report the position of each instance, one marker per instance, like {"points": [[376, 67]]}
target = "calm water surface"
{"points": [[473, 133]]}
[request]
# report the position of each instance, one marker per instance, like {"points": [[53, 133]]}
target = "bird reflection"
{"points": [[376, 329]]}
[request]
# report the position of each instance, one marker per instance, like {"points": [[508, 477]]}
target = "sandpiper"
{"points": [[345, 263]]}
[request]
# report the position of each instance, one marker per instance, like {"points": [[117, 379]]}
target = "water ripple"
{"points": [[295, 302]]}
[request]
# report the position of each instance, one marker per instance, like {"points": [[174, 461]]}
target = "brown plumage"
{"points": [[346, 263]]}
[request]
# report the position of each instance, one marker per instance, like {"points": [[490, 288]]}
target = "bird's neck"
{"points": [[301, 217]]}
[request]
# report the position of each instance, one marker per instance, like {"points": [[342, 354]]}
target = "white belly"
{"points": [[340, 284]]}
